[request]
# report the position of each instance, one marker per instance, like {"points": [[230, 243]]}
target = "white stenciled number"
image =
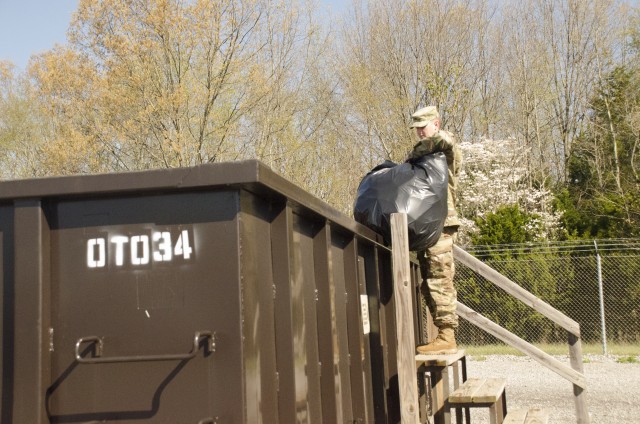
{"points": [[163, 254], [94, 246], [183, 248], [138, 250]]}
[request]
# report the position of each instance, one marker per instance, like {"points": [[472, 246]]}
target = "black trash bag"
{"points": [[418, 189]]}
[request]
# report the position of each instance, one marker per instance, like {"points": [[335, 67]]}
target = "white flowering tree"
{"points": [[495, 173]]}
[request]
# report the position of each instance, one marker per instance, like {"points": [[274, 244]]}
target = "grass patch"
{"points": [[627, 360], [482, 351], [623, 349]]}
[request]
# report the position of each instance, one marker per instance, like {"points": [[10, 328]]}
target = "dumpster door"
{"points": [[146, 310]]}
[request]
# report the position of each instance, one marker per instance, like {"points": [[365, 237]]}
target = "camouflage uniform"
{"points": [[436, 263]]}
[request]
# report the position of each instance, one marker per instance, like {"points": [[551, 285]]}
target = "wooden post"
{"points": [[579, 393], [402, 292]]}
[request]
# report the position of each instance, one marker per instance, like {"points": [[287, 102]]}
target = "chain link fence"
{"points": [[596, 283]]}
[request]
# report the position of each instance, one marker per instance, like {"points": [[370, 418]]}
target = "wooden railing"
{"points": [[404, 321], [574, 374]]}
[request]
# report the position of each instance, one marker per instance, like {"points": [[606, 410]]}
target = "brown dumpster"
{"points": [[215, 294]]}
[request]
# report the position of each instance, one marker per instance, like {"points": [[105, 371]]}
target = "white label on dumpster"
{"points": [[364, 310], [138, 250]]}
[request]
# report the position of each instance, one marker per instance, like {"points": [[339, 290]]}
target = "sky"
{"points": [[28, 27], [32, 26]]}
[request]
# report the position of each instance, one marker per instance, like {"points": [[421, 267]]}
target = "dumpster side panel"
{"points": [[359, 327], [6, 313], [388, 335], [331, 385], [315, 331], [31, 358], [371, 374], [347, 400], [143, 275], [377, 372], [382, 340], [283, 272], [305, 328], [2, 319], [257, 285]]}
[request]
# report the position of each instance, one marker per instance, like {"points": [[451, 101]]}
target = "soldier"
{"points": [[436, 263]]}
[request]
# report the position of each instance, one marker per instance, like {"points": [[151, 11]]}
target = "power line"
{"points": [[573, 247]]}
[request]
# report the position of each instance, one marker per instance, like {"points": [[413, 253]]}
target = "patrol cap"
{"points": [[422, 117]]}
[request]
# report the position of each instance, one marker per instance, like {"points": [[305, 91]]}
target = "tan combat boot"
{"points": [[443, 344]]}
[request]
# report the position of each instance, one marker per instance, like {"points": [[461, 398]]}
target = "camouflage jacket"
{"points": [[444, 142]]}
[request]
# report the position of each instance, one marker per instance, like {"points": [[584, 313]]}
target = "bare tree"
{"points": [[21, 126], [570, 28], [396, 56], [147, 84]]}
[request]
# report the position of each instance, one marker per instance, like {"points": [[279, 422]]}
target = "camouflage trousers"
{"points": [[437, 268]]}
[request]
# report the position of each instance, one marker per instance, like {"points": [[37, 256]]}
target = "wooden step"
{"points": [[437, 369], [527, 416], [479, 390], [439, 360], [438, 365]]}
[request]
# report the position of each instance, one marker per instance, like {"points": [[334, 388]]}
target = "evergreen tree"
{"points": [[601, 199]]}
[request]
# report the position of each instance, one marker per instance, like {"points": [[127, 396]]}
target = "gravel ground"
{"points": [[613, 393]]}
